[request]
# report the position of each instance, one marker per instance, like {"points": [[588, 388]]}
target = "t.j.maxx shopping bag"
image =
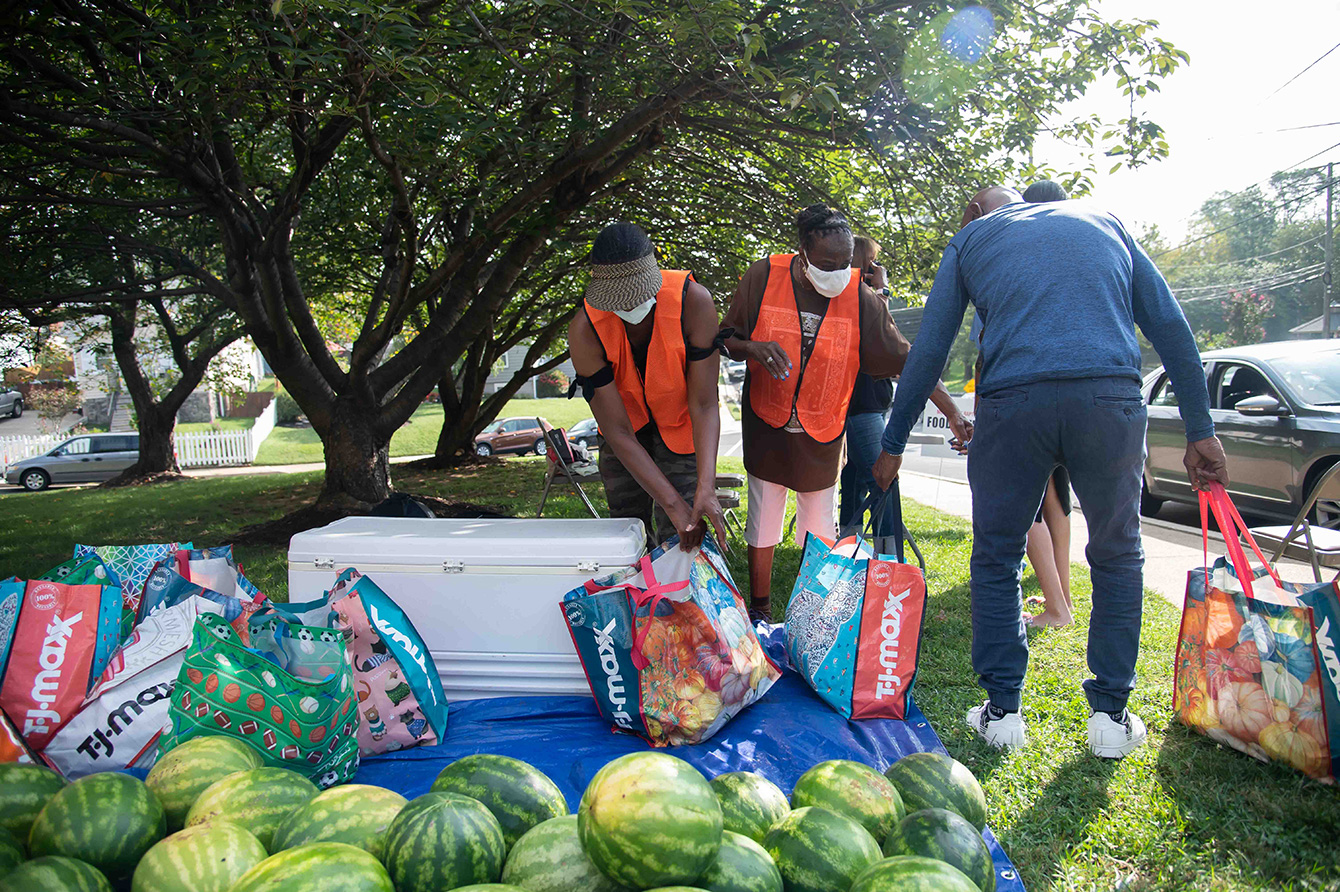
{"points": [[853, 624], [667, 645], [1257, 668]]}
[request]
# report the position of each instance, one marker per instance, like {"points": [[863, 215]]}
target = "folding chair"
{"points": [[559, 458], [1319, 545], [728, 497]]}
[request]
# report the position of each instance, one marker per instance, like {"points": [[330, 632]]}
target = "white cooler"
{"points": [[484, 594]]}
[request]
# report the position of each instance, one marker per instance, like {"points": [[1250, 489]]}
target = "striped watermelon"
{"points": [[354, 813], [550, 859], [910, 873], [327, 866], [24, 789], [208, 857], [258, 799], [11, 852], [750, 803], [818, 850], [852, 789], [55, 874], [934, 780], [679, 889], [442, 841], [182, 774], [648, 819], [490, 887], [941, 834], [519, 795], [742, 865], [108, 820]]}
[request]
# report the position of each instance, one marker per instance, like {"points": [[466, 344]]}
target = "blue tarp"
{"points": [[780, 737]]}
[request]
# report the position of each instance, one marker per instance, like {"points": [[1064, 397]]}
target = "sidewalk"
{"points": [[1171, 551]]}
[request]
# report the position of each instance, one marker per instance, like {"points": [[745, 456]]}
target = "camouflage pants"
{"points": [[627, 498]]}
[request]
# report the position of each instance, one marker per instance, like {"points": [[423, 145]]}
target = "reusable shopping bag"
{"points": [[119, 724], [290, 696], [1256, 661], [91, 570], [166, 587], [667, 646], [130, 566], [13, 748], [52, 655], [399, 691], [853, 625]]}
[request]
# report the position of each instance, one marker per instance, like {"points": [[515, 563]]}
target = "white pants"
{"points": [[767, 509]]}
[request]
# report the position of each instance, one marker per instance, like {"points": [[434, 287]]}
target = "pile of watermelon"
{"points": [[210, 818]]}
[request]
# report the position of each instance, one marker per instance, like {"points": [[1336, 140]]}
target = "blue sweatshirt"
{"points": [[1060, 287]]}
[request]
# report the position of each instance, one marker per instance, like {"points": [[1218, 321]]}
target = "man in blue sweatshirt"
{"points": [[1060, 288]]}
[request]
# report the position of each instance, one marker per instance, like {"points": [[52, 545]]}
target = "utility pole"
{"points": [[1326, 272]]}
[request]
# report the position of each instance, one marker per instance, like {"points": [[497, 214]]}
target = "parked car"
{"points": [[1276, 407], [733, 370], [90, 458], [11, 403], [585, 433], [517, 435]]}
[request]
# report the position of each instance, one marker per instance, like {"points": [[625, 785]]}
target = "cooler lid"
{"points": [[418, 541]]}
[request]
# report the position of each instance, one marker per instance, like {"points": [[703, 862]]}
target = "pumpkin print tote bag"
{"points": [[1252, 655]]}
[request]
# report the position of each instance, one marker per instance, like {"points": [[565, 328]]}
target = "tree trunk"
{"points": [[358, 471], [158, 453]]}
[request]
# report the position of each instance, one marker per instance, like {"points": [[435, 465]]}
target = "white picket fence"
{"points": [[14, 449]]}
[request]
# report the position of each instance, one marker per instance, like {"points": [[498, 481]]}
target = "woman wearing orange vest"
{"points": [[644, 345], [806, 324]]}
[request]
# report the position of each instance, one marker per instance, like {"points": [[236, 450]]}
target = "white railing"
{"points": [[13, 449], [214, 448]]}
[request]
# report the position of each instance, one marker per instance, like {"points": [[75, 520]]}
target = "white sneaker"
{"points": [[1113, 739], [1003, 732]]}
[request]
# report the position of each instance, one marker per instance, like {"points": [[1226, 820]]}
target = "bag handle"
{"points": [[874, 503], [653, 594], [1234, 529]]}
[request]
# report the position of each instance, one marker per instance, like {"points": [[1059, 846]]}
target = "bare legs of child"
{"points": [[1049, 555]]}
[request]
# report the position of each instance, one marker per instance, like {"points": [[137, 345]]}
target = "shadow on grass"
{"points": [[1261, 821], [1057, 820]]}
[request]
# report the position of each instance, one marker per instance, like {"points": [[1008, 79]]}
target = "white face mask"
{"points": [[829, 283], [638, 313]]}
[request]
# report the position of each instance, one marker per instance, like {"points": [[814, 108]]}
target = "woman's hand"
{"points": [[705, 504], [771, 356], [688, 525], [876, 277], [963, 430]]}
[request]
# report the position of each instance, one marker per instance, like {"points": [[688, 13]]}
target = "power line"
{"points": [[1235, 224], [1304, 71], [1280, 280], [1302, 244]]}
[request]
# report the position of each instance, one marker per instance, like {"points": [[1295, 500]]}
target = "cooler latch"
{"points": [[453, 566], [324, 563], [588, 566]]}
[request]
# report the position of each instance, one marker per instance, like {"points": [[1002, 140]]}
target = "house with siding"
{"points": [[506, 367]]}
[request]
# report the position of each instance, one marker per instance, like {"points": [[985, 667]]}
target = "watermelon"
{"points": [[490, 887], [182, 774], [327, 866], [910, 873], [852, 789], [519, 795], [441, 841], [258, 799], [24, 789], [946, 836], [550, 859], [55, 874], [750, 803], [934, 780], [742, 865], [818, 850], [354, 813], [11, 852], [649, 819], [208, 857], [108, 820], [678, 889]]}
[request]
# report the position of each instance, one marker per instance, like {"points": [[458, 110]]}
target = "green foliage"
{"points": [[287, 410], [552, 383]]}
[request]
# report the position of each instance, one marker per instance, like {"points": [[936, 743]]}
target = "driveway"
{"points": [[30, 425]]}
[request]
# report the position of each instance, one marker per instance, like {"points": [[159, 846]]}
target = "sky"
{"points": [[1220, 118]]}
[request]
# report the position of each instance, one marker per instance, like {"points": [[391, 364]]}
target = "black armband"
{"points": [[718, 344], [589, 384]]}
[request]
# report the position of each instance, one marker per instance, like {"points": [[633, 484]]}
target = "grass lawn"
{"points": [[1181, 814], [418, 436], [223, 424]]}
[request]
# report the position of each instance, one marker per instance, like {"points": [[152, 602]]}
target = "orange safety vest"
{"points": [[663, 393], [821, 390]]}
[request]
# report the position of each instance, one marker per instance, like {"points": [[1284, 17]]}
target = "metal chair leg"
{"points": [[548, 482]]}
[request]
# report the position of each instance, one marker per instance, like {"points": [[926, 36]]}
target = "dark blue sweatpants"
{"points": [[1095, 428]]}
